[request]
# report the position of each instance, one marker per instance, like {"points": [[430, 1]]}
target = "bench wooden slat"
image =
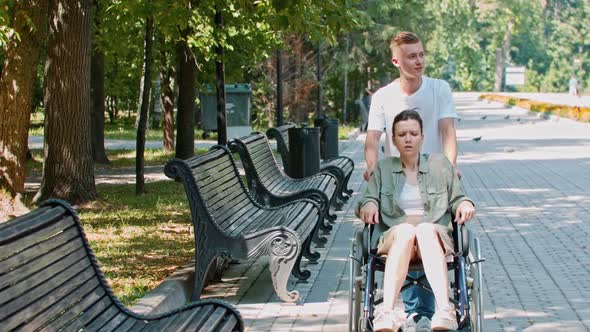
{"points": [[267, 220], [179, 321], [223, 195], [114, 323], [95, 301], [10, 249], [215, 178], [101, 319], [63, 305], [67, 238], [104, 304], [74, 249], [47, 275], [241, 209], [237, 216], [139, 325], [45, 294], [21, 226], [213, 320], [197, 322], [246, 224], [228, 324], [127, 325]]}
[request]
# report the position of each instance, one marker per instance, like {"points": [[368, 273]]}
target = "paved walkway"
{"points": [[528, 177]]}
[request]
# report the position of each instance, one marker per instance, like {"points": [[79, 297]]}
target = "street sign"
{"points": [[515, 75]]}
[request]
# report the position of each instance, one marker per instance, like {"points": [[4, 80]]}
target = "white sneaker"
{"points": [[410, 324], [423, 324], [387, 320], [444, 319]]}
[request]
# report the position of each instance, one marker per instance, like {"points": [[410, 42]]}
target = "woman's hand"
{"points": [[370, 213], [465, 211]]}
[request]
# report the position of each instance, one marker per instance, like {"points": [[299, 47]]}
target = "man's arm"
{"points": [[371, 151], [449, 139]]}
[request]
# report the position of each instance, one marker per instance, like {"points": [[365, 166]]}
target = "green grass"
{"points": [[119, 158], [139, 240], [122, 128]]}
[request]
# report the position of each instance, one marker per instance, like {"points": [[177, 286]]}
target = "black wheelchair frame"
{"points": [[466, 295]]}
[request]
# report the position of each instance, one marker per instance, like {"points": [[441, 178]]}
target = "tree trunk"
{"points": [[98, 98], [187, 74], [156, 103], [145, 104], [499, 73], [68, 170], [167, 77], [17, 79]]}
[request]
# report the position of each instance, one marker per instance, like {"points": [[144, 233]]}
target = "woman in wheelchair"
{"points": [[409, 200]]}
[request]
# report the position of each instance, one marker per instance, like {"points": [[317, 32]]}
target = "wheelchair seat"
{"points": [[466, 286]]}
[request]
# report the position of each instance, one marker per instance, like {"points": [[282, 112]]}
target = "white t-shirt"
{"points": [[433, 100], [410, 200]]}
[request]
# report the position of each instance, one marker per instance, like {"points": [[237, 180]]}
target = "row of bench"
{"points": [[50, 279], [273, 215]]}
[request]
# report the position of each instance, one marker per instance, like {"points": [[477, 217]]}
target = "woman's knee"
{"points": [[405, 232], [425, 230]]}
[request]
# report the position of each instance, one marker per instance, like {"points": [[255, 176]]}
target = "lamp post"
{"points": [[220, 85], [279, 90]]}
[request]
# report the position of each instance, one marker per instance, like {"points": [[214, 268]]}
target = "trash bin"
{"points": [[328, 137], [237, 109], [304, 152]]}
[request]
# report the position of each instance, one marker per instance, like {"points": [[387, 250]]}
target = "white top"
{"points": [[433, 100], [410, 200]]}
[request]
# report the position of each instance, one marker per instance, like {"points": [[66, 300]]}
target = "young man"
{"points": [[432, 99]]}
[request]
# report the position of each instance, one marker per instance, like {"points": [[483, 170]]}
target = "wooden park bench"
{"points": [[271, 186], [229, 223], [341, 166], [51, 281]]}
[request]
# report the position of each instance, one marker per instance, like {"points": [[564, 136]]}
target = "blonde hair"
{"points": [[404, 37]]}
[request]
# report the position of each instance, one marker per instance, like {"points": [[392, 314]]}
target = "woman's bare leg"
{"points": [[434, 262], [397, 263]]}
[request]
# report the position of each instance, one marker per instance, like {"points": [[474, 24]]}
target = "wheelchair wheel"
{"points": [[355, 295], [476, 287]]}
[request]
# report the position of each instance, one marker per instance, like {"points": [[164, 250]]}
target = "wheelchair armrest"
{"points": [[367, 232], [461, 239]]}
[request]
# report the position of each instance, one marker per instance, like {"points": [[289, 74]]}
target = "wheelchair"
{"points": [[466, 287]]}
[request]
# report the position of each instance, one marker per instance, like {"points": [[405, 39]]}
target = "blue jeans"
{"points": [[418, 300]]}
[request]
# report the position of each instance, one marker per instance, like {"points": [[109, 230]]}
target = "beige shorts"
{"points": [[387, 239]]}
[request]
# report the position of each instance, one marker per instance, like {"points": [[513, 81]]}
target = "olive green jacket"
{"points": [[438, 183]]}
